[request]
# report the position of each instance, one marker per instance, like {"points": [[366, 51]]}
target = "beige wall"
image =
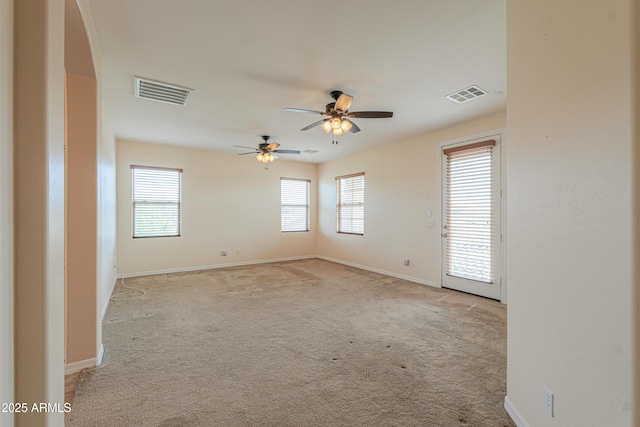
{"points": [[6, 207], [228, 202], [85, 39], [401, 185], [91, 191], [569, 215], [635, 118], [81, 218], [38, 112], [106, 219]]}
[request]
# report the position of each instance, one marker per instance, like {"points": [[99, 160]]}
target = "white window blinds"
{"points": [[294, 197], [350, 203], [156, 201], [470, 211]]}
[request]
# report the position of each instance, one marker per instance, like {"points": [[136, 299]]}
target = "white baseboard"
{"points": [[211, 267], [100, 355], [105, 305], [72, 368], [386, 273], [513, 413]]}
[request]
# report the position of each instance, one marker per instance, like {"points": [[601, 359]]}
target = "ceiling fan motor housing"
{"points": [[331, 107], [335, 94]]}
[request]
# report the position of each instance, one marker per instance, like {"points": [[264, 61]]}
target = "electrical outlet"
{"points": [[224, 252], [406, 262], [548, 401]]}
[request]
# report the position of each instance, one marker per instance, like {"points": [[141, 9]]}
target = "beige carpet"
{"points": [[302, 343]]}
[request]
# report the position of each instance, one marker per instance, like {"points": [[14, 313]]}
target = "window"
{"points": [[156, 201], [350, 203], [294, 197]]}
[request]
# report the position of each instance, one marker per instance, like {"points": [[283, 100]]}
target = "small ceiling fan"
{"points": [[266, 152], [338, 117]]}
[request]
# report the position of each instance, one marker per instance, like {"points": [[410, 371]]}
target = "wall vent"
{"points": [[159, 91], [467, 94]]}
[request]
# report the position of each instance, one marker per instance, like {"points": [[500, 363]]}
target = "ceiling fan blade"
{"points": [[312, 125], [344, 102], [354, 127], [286, 151], [302, 110], [275, 155], [248, 148], [253, 152], [371, 114], [272, 146]]}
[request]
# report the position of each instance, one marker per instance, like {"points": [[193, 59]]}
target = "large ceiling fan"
{"points": [[337, 117], [266, 152]]}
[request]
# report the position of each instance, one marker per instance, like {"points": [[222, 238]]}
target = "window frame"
{"points": [[340, 204], [306, 205], [135, 202]]}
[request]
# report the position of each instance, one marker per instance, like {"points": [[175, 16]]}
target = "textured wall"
{"points": [[39, 206], [401, 184], [228, 202], [81, 218], [6, 207], [569, 217]]}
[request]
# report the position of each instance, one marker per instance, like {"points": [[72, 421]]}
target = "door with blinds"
{"points": [[471, 217]]}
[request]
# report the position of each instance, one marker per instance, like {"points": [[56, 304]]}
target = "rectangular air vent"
{"points": [[163, 92], [467, 94], [310, 151]]}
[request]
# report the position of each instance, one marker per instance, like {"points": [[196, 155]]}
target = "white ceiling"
{"points": [[248, 59]]}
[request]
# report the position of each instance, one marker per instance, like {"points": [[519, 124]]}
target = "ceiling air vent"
{"points": [[310, 151], [467, 94], [163, 92]]}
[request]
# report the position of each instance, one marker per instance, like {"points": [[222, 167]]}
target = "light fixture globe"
{"points": [[326, 126], [346, 126], [335, 123]]}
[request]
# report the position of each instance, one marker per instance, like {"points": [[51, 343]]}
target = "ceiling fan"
{"points": [[338, 117], [266, 152]]}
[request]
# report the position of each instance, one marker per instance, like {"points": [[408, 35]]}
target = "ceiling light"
{"points": [[265, 157], [346, 126], [326, 126], [335, 124]]}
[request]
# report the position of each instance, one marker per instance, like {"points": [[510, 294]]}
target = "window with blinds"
{"points": [[470, 211], [156, 201], [294, 198], [350, 203]]}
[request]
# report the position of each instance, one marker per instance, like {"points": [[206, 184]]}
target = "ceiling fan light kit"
{"points": [[265, 157], [266, 152], [336, 121], [337, 115]]}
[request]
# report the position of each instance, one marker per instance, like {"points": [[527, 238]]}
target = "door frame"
{"points": [[493, 133]]}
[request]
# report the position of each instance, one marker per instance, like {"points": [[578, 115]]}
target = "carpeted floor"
{"points": [[301, 343]]}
